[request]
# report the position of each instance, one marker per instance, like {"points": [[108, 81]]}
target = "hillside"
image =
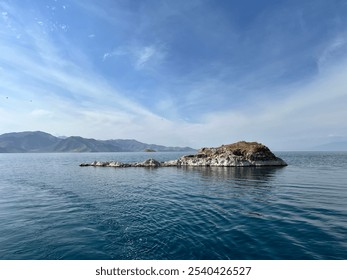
{"points": [[333, 146], [42, 142]]}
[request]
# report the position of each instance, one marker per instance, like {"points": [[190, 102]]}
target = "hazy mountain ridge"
{"points": [[42, 142], [332, 146], [21, 142]]}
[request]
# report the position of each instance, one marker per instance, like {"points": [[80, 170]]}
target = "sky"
{"points": [[177, 73]]}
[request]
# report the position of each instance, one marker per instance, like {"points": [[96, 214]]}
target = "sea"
{"points": [[53, 209]]}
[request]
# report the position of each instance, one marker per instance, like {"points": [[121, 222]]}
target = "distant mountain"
{"points": [[21, 142], [42, 142], [333, 146], [136, 146], [79, 144]]}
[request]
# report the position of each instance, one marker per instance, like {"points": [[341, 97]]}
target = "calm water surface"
{"points": [[50, 208]]}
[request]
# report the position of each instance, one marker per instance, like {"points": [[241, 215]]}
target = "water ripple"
{"points": [[62, 211]]}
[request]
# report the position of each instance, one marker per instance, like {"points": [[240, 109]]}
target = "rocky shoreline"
{"points": [[233, 155]]}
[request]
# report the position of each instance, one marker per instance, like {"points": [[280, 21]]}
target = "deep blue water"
{"points": [[50, 208]]}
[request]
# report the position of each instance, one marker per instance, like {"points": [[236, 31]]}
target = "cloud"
{"points": [[117, 52], [36, 70], [331, 51], [301, 119], [248, 84], [41, 113], [63, 80], [4, 15], [144, 55]]}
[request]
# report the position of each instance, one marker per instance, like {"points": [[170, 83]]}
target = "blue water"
{"points": [[50, 208]]}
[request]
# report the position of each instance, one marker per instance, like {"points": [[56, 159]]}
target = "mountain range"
{"points": [[332, 146], [42, 142]]}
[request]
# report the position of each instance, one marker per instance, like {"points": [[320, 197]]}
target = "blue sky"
{"points": [[196, 73]]}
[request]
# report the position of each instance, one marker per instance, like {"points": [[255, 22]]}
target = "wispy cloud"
{"points": [[144, 55], [141, 57], [116, 52], [194, 75], [41, 113], [331, 51], [60, 90]]}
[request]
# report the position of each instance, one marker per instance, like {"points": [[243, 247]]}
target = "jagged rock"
{"points": [[115, 164], [237, 154], [169, 163], [148, 163]]}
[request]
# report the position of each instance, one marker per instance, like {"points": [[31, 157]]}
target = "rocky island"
{"points": [[237, 154]]}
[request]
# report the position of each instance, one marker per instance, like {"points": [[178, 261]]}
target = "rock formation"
{"points": [[149, 150], [237, 154], [147, 163]]}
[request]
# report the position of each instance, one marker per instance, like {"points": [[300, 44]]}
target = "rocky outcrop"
{"points": [[237, 154], [147, 163]]}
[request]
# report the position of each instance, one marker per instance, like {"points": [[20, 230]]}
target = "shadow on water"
{"points": [[253, 174]]}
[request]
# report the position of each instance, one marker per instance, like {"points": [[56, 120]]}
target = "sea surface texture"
{"points": [[50, 208]]}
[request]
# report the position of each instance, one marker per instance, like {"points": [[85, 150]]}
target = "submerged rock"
{"points": [[237, 154]]}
